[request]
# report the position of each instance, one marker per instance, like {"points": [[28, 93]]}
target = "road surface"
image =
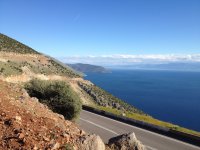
{"points": [[107, 128]]}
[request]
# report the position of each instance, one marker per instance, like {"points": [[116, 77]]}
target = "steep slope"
{"points": [[20, 63], [16, 57], [107, 100], [8, 44], [27, 124]]}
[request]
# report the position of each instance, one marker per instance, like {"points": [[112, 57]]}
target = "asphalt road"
{"points": [[107, 128]]}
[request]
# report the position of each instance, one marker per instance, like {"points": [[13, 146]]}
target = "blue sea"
{"points": [[166, 95]]}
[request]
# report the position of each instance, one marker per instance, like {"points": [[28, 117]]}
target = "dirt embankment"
{"points": [[27, 75], [39, 62], [27, 124]]}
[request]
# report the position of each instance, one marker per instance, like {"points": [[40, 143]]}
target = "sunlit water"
{"points": [[166, 95]]}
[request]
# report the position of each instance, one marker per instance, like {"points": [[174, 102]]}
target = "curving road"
{"points": [[107, 128]]}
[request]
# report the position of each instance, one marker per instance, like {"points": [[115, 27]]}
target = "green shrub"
{"points": [[68, 147], [57, 95], [10, 68]]}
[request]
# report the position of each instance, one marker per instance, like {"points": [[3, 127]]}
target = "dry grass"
{"points": [[150, 120]]}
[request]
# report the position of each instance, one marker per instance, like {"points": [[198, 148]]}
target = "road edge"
{"points": [[188, 138]]}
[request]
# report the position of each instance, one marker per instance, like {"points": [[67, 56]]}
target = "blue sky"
{"points": [[103, 27]]}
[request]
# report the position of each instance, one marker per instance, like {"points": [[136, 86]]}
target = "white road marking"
{"points": [[149, 147], [171, 139], [99, 126]]}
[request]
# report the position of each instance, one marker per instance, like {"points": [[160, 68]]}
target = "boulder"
{"points": [[125, 142], [115, 105], [92, 142]]}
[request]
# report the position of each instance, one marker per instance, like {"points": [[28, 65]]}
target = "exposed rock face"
{"points": [[105, 99], [92, 142], [125, 142], [99, 98], [27, 124]]}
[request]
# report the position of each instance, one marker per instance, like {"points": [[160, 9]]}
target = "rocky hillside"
{"points": [[25, 123], [105, 99], [16, 58], [20, 63], [8, 44]]}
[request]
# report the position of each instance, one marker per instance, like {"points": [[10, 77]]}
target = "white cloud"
{"points": [[123, 59]]}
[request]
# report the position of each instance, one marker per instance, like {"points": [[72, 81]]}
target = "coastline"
{"points": [[116, 93]]}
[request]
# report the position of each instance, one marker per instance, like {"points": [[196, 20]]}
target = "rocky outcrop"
{"points": [[92, 142], [125, 142], [27, 124], [105, 99], [98, 97]]}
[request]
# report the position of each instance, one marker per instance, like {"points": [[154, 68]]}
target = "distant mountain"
{"points": [[20, 63], [182, 66], [88, 68], [176, 66]]}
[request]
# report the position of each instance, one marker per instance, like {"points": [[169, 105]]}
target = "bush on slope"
{"points": [[57, 95]]}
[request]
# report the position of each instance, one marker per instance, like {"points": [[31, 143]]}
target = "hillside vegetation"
{"points": [[26, 124], [109, 103], [105, 99], [19, 63], [8, 44], [15, 57], [57, 95], [89, 68]]}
